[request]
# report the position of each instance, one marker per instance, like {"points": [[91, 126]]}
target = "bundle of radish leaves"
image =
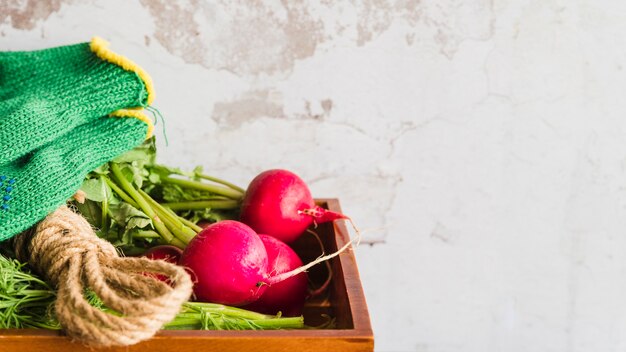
{"points": [[244, 279], [135, 203], [131, 203]]}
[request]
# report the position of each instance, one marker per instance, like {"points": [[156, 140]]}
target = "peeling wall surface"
{"points": [[480, 144]]}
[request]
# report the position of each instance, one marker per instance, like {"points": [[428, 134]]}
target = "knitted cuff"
{"points": [[88, 77], [46, 93], [101, 48]]}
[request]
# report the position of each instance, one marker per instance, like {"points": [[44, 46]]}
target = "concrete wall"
{"points": [[481, 144]]}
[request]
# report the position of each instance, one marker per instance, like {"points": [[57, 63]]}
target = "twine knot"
{"points": [[66, 251]]}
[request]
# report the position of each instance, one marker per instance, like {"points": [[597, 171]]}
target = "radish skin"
{"points": [[279, 203], [227, 260], [166, 252], [170, 254], [288, 296], [229, 264]]}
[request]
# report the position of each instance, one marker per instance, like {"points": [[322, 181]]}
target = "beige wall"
{"points": [[481, 144]]}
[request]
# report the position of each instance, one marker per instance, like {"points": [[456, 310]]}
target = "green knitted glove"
{"points": [[34, 187], [52, 137], [46, 93]]}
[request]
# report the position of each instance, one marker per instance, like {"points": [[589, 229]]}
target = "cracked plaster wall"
{"points": [[479, 143]]}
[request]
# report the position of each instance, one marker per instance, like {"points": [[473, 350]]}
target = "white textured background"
{"points": [[482, 142]]}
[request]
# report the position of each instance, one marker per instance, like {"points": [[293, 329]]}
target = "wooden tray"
{"points": [[343, 300]]}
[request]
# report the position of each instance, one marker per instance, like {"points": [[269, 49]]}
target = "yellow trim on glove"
{"points": [[138, 114], [101, 48]]}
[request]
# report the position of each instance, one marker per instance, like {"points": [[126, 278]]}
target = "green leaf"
{"points": [[127, 226], [163, 171], [129, 217], [154, 178], [134, 163], [101, 170], [134, 173], [91, 211], [144, 154], [96, 189], [175, 193], [138, 221], [26, 300], [209, 215], [197, 171]]}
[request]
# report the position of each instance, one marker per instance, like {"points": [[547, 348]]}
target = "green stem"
{"points": [[226, 310], [146, 234], [223, 191], [171, 221], [225, 183], [203, 204], [145, 207], [194, 315], [194, 323], [40, 293], [42, 302], [105, 211], [209, 178], [48, 326], [280, 323], [184, 221], [120, 192], [263, 324]]}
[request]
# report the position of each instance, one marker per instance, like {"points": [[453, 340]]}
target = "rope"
{"points": [[66, 251]]}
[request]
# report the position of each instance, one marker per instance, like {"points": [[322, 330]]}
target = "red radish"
{"points": [[204, 223], [279, 203], [229, 264], [227, 261], [170, 254], [287, 296]]}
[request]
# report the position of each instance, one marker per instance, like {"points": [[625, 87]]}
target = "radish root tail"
{"points": [[318, 291], [284, 276]]}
